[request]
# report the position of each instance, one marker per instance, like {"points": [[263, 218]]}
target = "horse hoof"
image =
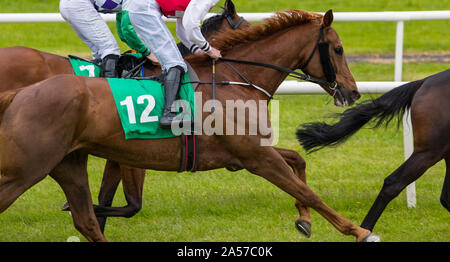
{"points": [[371, 238], [304, 227], [65, 207]]}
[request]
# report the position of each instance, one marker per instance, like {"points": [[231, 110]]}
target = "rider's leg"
{"points": [[172, 83], [93, 31], [145, 16]]}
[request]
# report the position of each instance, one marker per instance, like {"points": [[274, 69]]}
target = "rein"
{"points": [[291, 72], [325, 61]]}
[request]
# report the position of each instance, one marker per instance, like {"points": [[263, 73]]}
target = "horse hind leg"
{"points": [[445, 195], [19, 171], [71, 175], [14, 183], [413, 168]]}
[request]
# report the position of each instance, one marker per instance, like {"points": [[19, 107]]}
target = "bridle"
{"points": [[232, 24], [325, 61], [327, 66]]}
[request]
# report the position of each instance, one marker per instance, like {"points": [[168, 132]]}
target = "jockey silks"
{"points": [[168, 7], [145, 15], [107, 6]]}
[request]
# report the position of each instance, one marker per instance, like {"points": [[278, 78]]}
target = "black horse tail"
{"points": [[316, 135]]}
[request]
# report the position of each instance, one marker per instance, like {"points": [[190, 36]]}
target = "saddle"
{"points": [[131, 65]]}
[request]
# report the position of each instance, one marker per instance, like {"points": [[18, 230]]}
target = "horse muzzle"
{"points": [[345, 97]]}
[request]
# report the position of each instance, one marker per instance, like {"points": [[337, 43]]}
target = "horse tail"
{"points": [[6, 99], [316, 135]]}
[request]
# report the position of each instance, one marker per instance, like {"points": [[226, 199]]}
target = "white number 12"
{"points": [[145, 116]]}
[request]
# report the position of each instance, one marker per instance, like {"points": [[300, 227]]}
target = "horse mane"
{"points": [[228, 38]]}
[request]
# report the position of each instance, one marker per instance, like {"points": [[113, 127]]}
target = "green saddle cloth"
{"points": [[140, 105], [82, 67]]}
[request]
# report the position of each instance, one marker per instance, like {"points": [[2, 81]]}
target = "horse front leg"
{"points": [[298, 165], [132, 182], [268, 163], [110, 181], [71, 175], [408, 172], [133, 185]]}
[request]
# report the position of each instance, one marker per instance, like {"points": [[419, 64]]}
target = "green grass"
{"points": [[223, 206]]}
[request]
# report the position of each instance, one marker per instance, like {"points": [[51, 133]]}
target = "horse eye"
{"points": [[339, 50]]}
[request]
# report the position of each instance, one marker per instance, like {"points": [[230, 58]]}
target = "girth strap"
{"points": [[189, 152]]}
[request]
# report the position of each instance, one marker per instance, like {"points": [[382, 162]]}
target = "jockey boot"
{"points": [[109, 66], [172, 83]]}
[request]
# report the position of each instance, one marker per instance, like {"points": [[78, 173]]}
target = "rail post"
{"points": [[407, 126]]}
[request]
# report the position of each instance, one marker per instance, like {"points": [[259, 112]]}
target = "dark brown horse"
{"points": [[23, 66], [428, 100], [79, 121]]}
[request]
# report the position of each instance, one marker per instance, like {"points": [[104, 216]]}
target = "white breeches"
{"points": [[90, 27], [146, 17]]}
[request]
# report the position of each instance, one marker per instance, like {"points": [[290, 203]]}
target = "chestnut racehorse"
{"points": [[23, 66], [79, 121], [428, 100]]}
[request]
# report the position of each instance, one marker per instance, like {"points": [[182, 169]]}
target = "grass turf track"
{"points": [[224, 206]]}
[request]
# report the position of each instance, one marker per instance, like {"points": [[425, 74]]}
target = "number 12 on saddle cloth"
{"points": [[140, 105]]}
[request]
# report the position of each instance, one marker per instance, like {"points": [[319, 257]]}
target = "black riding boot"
{"points": [[172, 83], [109, 66]]}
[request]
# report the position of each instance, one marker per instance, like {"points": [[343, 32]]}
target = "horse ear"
{"points": [[328, 18], [229, 7]]}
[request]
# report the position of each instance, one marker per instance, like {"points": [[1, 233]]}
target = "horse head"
{"points": [[327, 61]]}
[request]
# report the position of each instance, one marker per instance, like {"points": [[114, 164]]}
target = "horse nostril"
{"points": [[356, 95]]}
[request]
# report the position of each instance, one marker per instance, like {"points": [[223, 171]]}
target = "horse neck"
{"points": [[288, 48]]}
